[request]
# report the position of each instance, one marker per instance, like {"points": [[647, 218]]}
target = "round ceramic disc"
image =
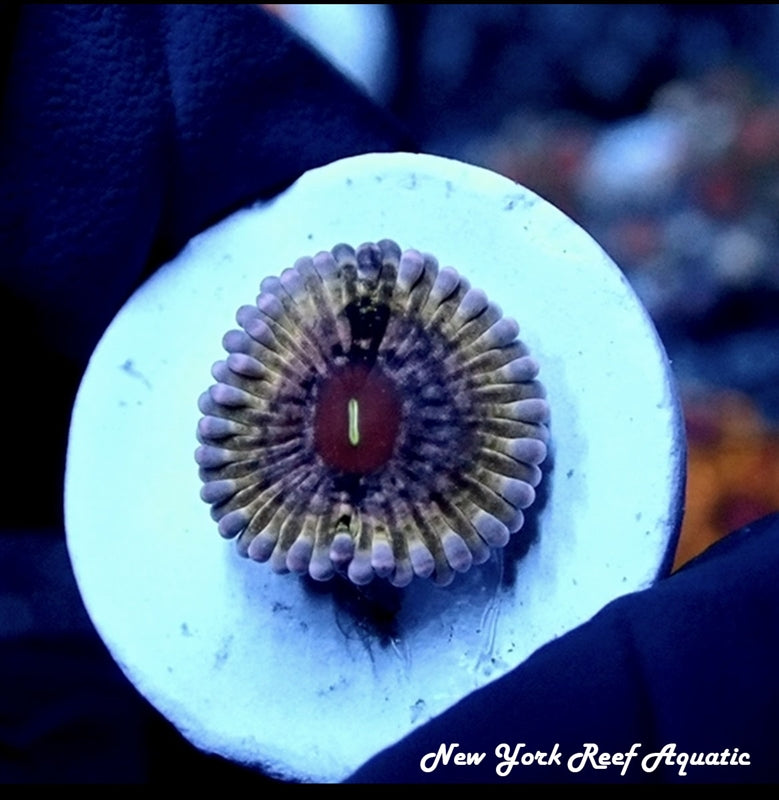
{"points": [[306, 681]]}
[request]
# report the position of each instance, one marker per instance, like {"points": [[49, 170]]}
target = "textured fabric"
{"points": [[128, 129], [691, 662]]}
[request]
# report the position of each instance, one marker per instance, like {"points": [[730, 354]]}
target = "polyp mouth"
{"points": [[357, 418]]}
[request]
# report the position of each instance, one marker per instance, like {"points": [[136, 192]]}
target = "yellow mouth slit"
{"points": [[354, 422]]}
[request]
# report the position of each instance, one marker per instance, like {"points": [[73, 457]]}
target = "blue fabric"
{"points": [[128, 129]]}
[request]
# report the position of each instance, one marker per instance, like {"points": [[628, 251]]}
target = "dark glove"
{"points": [[691, 662]]}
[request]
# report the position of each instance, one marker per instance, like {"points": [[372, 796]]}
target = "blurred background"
{"points": [[656, 128]]}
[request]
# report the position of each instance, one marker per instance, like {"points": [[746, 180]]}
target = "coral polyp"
{"points": [[374, 416]]}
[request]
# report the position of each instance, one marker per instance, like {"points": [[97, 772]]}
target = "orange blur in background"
{"points": [[732, 470]]}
